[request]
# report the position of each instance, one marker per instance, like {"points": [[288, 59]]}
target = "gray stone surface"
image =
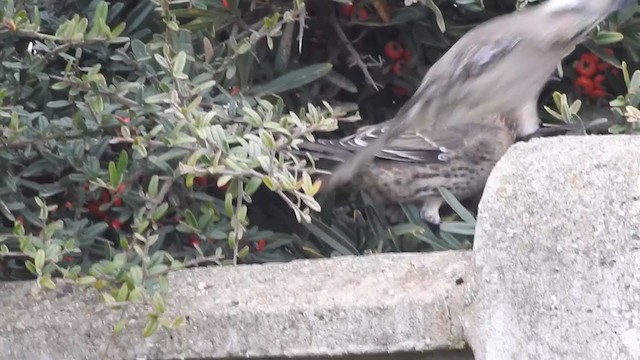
{"points": [[558, 252], [356, 305]]}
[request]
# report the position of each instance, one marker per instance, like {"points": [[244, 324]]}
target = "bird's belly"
{"points": [[394, 182]]}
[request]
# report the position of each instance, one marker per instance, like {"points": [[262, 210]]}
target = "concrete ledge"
{"points": [[558, 252], [348, 305]]}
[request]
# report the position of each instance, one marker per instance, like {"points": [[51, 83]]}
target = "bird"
{"points": [[411, 167], [498, 67]]}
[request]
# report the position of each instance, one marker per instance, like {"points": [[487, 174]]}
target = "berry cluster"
{"points": [[399, 55], [107, 199], [348, 11], [591, 74]]}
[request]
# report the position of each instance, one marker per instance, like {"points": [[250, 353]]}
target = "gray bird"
{"points": [[411, 167], [499, 67]]}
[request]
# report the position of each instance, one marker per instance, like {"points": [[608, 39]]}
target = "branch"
{"points": [[354, 53]]}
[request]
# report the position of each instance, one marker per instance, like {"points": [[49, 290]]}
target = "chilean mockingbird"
{"points": [[499, 67], [411, 167]]}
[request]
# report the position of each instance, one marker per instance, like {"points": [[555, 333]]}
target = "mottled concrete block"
{"points": [[347, 305], [558, 252]]}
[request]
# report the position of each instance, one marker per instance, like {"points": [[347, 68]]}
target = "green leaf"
{"points": [[114, 174], [463, 228], [608, 37], [292, 80], [96, 230], [456, 206], [117, 329], [136, 275], [160, 211], [58, 104], [252, 186], [179, 61], [39, 259], [46, 281], [190, 219], [123, 293], [86, 280], [244, 47], [152, 191], [123, 162], [101, 12], [151, 327], [332, 237], [439, 18], [154, 99], [158, 303]]}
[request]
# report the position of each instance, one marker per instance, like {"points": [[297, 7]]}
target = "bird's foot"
{"points": [[430, 211]]}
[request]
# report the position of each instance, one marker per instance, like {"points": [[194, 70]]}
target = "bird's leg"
{"points": [[430, 211], [528, 119]]}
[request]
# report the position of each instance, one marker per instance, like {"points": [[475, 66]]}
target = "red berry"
{"points": [[200, 180], [121, 188], [105, 197], [68, 205], [603, 66], [117, 201], [397, 67], [598, 81], [122, 119], [587, 65], [193, 240], [93, 208], [346, 10], [116, 224], [234, 90], [363, 14], [394, 50], [225, 3], [584, 85], [260, 245]]}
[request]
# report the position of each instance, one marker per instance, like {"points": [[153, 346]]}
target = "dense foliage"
{"points": [[141, 137]]}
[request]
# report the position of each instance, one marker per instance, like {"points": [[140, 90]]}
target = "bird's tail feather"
{"points": [[324, 149], [345, 171]]}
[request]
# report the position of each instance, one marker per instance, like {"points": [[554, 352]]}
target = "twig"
{"points": [[354, 53], [112, 96]]}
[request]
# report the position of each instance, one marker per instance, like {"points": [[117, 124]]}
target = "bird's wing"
{"points": [[469, 60], [408, 147]]}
